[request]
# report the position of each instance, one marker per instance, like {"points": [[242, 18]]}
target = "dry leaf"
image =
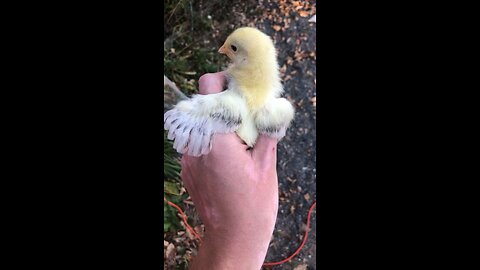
{"points": [[189, 73], [276, 27], [188, 202], [190, 235], [307, 196], [303, 13], [170, 251], [199, 230], [301, 267]]}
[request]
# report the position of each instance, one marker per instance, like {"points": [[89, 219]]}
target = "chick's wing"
{"points": [[275, 117], [192, 123]]}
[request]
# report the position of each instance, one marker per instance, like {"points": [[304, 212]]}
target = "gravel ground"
{"points": [[297, 151]]}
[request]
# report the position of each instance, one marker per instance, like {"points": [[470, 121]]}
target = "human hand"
{"points": [[235, 191]]}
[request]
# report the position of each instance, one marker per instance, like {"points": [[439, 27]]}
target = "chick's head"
{"points": [[254, 68], [249, 45]]}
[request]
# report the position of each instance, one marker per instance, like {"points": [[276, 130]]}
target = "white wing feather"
{"points": [[192, 123], [275, 117]]}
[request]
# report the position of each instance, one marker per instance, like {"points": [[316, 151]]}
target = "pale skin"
{"points": [[235, 191]]}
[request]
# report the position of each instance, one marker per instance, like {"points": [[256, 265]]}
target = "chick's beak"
{"points": [[222, 50]]}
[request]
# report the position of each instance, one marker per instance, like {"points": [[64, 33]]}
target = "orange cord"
{"points": [[264, 264], [301, 246], [184, 219]]}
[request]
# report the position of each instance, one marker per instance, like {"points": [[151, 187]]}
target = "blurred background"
{"points": [[193, 32]]}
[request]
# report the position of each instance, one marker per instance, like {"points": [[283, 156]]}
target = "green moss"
{"points": [[190, 49]]}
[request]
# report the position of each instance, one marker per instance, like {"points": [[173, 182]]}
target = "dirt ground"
{"points": [[295, 38]]}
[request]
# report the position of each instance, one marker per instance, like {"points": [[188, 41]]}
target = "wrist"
{"points": [[225, 253]]}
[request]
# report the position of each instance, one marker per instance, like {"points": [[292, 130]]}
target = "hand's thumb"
{"points": [[211, 83], [265, 151]]}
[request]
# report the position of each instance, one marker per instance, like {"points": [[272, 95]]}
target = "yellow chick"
{"points": [[250, 106]]}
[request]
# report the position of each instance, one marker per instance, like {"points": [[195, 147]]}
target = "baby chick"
{"points": [[250, 106]]}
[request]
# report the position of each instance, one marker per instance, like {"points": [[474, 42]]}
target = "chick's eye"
{"points": [[234, 48]]}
